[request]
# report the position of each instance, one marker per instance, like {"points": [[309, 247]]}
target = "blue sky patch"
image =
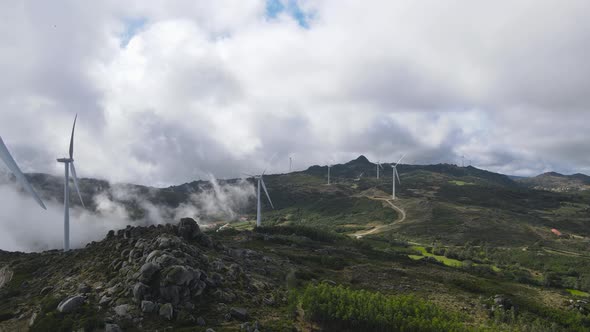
{"points": [[276, 7], [132, 27]]}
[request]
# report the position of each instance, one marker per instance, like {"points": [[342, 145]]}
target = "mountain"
{"points": [[460, 249], [553, 181]]}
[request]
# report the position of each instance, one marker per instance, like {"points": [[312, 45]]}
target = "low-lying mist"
{"points": [[26, 227]]}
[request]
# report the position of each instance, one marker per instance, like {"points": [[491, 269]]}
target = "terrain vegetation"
{"points": [[460, 249]]}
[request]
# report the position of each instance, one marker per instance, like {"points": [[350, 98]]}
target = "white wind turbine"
{"points": [[20, 177], [395, 175], [378, 166], [260, 180], [69, 165], [329, 166]]}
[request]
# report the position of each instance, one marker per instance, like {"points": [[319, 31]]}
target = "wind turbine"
{"points": [[69, 165], [260, 180], [329, 166], [378, 166], [20, 177], [395, 175], [290, 164]]}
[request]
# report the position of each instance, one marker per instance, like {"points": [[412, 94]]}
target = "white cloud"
{"points": [[218, 87]]}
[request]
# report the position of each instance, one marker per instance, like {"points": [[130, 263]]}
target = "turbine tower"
{"points": [[395, 175], [69, 165], [378, 166], [260, 180], [20, 177], [329, 166], [290, 164]]}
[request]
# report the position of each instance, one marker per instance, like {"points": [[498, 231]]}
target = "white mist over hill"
{"points": [[26, 227]]}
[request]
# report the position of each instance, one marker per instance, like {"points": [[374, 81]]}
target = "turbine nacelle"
{"points": [[65, 160]]}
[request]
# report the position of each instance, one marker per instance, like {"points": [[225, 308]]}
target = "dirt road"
{"points": [[378, 229]]}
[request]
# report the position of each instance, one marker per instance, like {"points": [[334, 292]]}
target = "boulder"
{"points": [[166, 311], [201, 321], [104, 300], [148, 271], [46, 290], [148, 306], [180, 275], [188, 228], [239, 313], [235, 271], [112, 328], [71, 304], [84, 288], [122, 310], [140, 290], [503, 302]]}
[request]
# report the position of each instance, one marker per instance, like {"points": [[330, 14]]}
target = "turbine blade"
{"points": [[400, 159], [13, 167], [72, 138], [75, 176], [266, 191], [397, 175]]}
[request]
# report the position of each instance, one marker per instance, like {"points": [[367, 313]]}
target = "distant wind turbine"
{"points": [[395, 175], [20, 177], [260, 180], [69, 165], [290, 164], [378, 166], [329, 166]]}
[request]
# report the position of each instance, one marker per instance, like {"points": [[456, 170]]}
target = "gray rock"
{"points": [[168, 242], [84, 288], [46, 290], [180, 275], [33, 319], [115, 289], [71, 304], [104, 300], [148, 306], [235, 271], [201, 321], [239, 313], [148, 271], [188, 228], [153, 255], [171, 293], [122, 310], [166, 260], [140, 290], [209, 330], [112, 328], [167, 311]]}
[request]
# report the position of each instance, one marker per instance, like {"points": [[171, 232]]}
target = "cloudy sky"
{"points": [[168, 91]]}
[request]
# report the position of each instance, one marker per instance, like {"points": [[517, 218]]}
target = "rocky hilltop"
{"points": [[140, 278]]}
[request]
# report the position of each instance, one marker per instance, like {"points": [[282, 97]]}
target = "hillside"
{"points": [[553, 181], [473, 246]]}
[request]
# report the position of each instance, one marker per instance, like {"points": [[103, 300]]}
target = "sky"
{"points": [[169, 91]]}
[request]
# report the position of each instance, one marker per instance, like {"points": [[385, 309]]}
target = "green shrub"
{"points": [[312, 233], [340, 308]]}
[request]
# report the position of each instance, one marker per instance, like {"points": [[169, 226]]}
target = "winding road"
{"points": [[378, 229]]}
